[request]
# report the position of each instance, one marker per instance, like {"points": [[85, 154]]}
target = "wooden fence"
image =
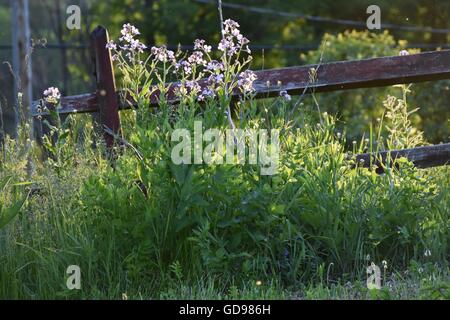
{"points": [[335, 76]]}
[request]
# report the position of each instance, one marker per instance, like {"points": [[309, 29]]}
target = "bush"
{"points": [[223, 219], [431, 98]]}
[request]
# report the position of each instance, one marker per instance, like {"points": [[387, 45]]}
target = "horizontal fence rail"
{"points": [[422, 157], [334, 76]]}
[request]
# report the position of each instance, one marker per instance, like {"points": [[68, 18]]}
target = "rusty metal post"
{"points": [[106, 86]]}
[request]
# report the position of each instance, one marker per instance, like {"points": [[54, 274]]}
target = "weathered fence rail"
{"points": [[422, 157], [335, 76]]}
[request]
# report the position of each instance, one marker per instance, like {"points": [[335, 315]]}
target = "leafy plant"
{"points": [[9, 212]]}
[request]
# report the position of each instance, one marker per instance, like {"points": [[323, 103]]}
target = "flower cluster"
{"points": [[52, 95], [128, 32], [163, 55], [111, 45], [206, 93], [196, 61], [246, 80], [233, 41], [215, 66], [189, 88], [225, 74], [128, 43], [200, 45], [194, 87], [197, 58], [216, 79]]}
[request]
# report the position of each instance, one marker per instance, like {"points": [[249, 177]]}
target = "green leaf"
{"points": [[8, 214], [64, 135], [21, 184], [4, 183]]}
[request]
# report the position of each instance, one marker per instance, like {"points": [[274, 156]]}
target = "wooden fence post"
{"points": [[106, 86]]}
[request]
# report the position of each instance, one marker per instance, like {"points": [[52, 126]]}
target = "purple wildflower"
{"points": [[285, 95], [246, 80]]}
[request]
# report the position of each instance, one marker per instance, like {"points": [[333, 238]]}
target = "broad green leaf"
{"points": [[8, 214]]}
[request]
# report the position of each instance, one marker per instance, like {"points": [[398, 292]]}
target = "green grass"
{"points": [[397, 288], [305, 234]]}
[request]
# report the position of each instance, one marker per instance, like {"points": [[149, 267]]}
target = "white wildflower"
{"points": [[162, 54], [285, 95], [206, 93], [193, 87], [214, 66], [111, 45], [136, 45], [216, 79], [230, 26], [199, 44], [246, 80], [52, 95], [128, 32], [197, 58], [185, 65]]}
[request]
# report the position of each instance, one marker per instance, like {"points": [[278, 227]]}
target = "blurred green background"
{"points": [[280, 37]]}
